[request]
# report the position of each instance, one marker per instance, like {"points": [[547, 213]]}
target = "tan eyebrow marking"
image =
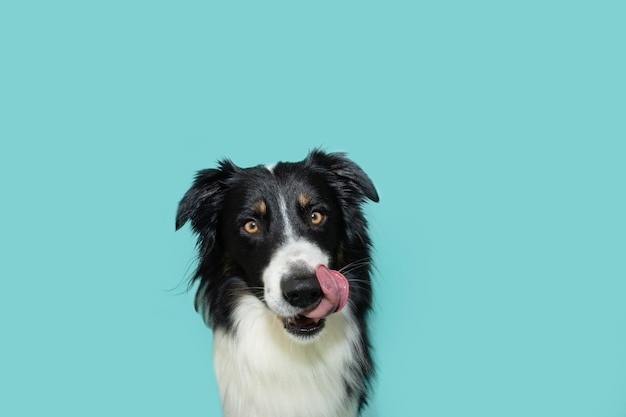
{"points": [[304, 200], [260, 207]]}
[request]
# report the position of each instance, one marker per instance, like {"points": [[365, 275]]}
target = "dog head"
{"points": [[292, 234]]}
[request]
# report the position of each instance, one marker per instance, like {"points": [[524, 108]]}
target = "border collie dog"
{"points": [[283, 280]]}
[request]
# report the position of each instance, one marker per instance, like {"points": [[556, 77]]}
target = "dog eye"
{"points": [[251, 227], [316, 218]]}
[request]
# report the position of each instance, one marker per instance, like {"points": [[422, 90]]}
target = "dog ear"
{"points": [[208, 186], [350, 175]]}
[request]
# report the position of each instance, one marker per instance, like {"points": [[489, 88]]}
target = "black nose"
{"points": [[301, 290]]}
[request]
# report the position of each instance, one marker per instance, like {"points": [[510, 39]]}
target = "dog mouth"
{"points": [[303, 326], [334, 295]]}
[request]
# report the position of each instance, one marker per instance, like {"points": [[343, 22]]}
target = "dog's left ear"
{"points": [[349, 174], [200, 203]]}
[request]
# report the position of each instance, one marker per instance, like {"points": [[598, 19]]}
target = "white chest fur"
{"points": [[264, 372]]}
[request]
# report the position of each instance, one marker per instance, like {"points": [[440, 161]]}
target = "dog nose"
{"points": [[301, 290]]}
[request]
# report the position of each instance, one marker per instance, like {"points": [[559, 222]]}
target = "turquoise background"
{"points": [[494, 131]]}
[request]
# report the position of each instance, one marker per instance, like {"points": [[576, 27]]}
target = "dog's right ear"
{"points": [[201, 201]]}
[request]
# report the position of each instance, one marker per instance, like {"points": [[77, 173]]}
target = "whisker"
{"points": [[359, 263], [187, 278]]}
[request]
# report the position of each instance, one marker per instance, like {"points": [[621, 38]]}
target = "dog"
{"points": [[283, 279]]}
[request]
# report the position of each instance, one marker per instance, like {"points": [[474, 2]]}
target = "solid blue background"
{"points": [[494, 133]]}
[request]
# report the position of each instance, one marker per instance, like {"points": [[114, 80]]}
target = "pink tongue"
{"points": [[335, 289]]}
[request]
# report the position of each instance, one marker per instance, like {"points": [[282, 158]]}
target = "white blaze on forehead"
{"points": [[287, 228]]}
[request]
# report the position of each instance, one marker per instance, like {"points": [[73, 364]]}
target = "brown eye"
{"points": [[316, 218], [251, 227]]}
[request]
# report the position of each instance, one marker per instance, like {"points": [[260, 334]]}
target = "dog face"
{"points": [[282, 233], [279, 226]]}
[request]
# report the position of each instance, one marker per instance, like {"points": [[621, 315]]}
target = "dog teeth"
{"points": [[301, 321]]}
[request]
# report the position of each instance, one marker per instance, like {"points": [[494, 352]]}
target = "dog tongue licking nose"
{"points": [[335, 292]]}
